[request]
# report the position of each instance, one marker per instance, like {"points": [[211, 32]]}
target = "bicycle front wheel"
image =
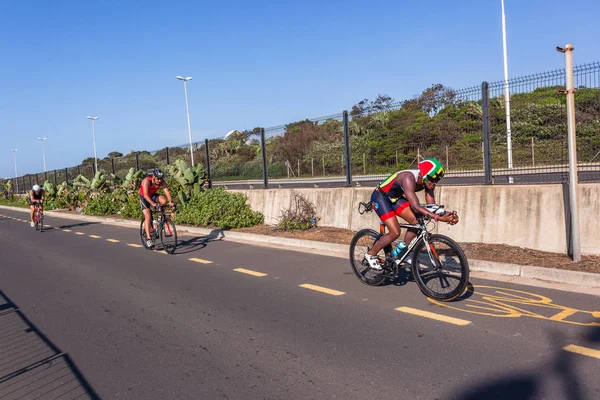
{"points": [[362, 242], [143, 235], [168, 236], [440, 268]]}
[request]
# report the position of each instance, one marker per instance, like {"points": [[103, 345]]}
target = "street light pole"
{"points": [[43, 151], [16, 173], [93, 119], [506, 93], [188, 113]]}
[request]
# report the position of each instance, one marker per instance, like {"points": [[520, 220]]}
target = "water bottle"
{"points": [[399, 249]]}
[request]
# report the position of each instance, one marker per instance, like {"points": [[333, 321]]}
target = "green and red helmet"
{"points": [[431, 169]]}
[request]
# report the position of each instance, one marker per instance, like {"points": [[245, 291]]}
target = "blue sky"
{"points": [[253, 63]]}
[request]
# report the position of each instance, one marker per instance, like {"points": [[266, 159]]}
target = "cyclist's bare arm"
{"points": [[409, 185], [430, 196], [31, 199], [167, 193]]}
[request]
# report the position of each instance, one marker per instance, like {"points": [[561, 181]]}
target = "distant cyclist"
{"points": [[37, 195], [396, 196], [149, 198]]}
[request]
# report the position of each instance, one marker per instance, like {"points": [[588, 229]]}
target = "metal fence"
{"points": [[375, 138]]}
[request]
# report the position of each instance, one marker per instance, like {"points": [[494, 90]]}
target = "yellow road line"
{"points": [[322, 289], [79, 233], [583, 351], [249, 272], [112, 240], [161, 252], [66, 230], [199, 260], [134, 245], [437, 317], [95, 236]]}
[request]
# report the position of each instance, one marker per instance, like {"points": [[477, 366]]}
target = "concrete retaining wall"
{"points": [[528, 216]]}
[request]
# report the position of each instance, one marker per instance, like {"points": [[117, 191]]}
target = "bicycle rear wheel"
{"points": [[441, 269], [168, 236], [40, 223], [362, 242]]}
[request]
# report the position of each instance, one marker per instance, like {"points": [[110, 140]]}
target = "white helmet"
{"points": [[36, 188]]}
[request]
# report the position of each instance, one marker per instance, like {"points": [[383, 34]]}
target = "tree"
{"points": [[115, 154]]}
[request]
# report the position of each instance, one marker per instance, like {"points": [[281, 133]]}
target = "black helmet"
{"points": [[158, 173]]}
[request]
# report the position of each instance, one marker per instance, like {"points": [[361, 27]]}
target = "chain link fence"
{"points": [[384, 136]]}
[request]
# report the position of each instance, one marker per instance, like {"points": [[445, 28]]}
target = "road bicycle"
{"points": [[438, 264], [162, 227], [38, 217]]}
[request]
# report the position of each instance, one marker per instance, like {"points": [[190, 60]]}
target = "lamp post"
{"points": [[43, 151], [93, 119], [188, 113]]}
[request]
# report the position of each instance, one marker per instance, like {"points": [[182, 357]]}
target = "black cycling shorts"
{"points": [[144, 203], [384, 207]]}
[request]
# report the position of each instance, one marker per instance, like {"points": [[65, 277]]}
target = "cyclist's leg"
{"points": [[147, 215], [385, 210], [31, 211], [404, 211]]}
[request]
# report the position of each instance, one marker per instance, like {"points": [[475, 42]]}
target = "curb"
{"points": [[585, 279]]}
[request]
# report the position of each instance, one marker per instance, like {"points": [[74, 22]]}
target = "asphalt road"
{"points": [[83, 313]]}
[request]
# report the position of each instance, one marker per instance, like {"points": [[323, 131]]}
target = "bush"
{"points": [[15, 202], [102, 205], [219, 208], [302, 215], [131, 208]]}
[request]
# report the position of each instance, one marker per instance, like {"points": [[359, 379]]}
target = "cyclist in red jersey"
{"points": [[396, 196], [149, 197]]}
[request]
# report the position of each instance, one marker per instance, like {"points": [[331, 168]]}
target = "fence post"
{"points": [[312, 166], [112, 161], [79, 170], [323, 165], [207, 163], [532, 152], [66, 176], [487, 159], [29, 179], [55, 179], [45, 176], [169, 161], [347, 149], [137, 161], [575, 245], [298, 168], [264, 157], [23, 179], [365, 163]]}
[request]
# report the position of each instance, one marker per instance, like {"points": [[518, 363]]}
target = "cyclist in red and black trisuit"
{"points": [[149, 197], [396, 196]]}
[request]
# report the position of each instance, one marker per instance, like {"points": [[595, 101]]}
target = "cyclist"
{"points": [[396, 196], [149, 197], [37, 195]]}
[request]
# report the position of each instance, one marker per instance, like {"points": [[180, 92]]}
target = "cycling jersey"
{"points": [[152, 189], [388, 198]]}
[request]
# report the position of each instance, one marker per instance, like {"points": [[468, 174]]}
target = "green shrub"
{"points": [[302, 215], [15, 202], [132, 209], [219, 208], [102, 205]]}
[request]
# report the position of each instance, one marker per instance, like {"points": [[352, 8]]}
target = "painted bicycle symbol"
{"points": [[510, 303]]}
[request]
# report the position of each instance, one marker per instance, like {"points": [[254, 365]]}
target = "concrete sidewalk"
{"points": [[525, 274]]}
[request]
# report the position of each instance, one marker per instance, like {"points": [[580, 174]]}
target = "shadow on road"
{"points": [[31, 366], [560, 369], [199, 242]]}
